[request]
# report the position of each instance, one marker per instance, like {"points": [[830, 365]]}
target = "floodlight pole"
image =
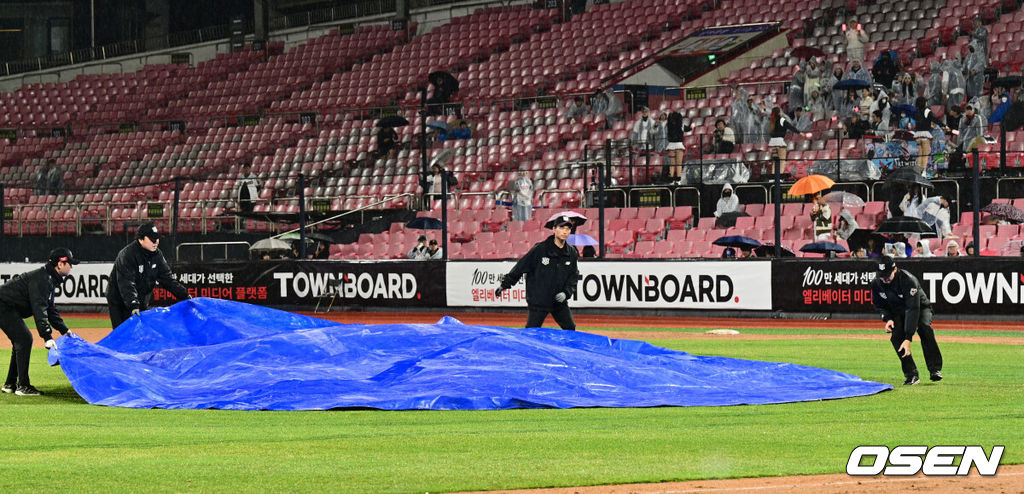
{"points": [[777, 197], [175, 215], [301, 186]]}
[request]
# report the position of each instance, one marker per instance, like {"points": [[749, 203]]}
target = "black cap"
{"points": [[433, 242], [885, 265], [62, 254], [149, 230], [423, 238]]}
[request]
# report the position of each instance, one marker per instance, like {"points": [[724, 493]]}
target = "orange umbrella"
{"points": [[810, 184]]}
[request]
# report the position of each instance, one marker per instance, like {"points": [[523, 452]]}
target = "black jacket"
{"points": [[135, 274], [674, 127], [31, 294], [548, 270], [902, 297]]}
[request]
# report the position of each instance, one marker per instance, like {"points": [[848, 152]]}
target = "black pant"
{"points": [[21, 341], [118, 312], [560, 312], [930, 348]]}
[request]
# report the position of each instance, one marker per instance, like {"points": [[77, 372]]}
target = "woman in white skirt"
{"points": [[923, 132], [777, 127], [675, 149]]}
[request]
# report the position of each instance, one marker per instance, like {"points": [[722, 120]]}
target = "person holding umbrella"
{"points": [[905, 309], [821, 216], [551, 274]]}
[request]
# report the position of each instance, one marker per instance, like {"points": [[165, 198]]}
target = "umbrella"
{"points": [[907, 225], [580, 239], [851, 84], [575, 218], [1014, 118], [442, 79], [1007, 211], [903, 135], [392, 121], [311, 236], [768, 250], [910, 110], [907, 175], [861, 237], [424, 223], [847, 199], [806, 52], [267, 244], [443, 157], [738, 241], [1009, 81], [439, 125], [727, 220], [822, 247], [810, 184]]}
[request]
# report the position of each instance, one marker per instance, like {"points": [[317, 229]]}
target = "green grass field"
{"points": [[59, 443]]}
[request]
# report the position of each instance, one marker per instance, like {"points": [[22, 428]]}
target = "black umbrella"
{"points": [[311, 236], [738, 241], [1014, 118], [907, 175], [822, 247], [851, 84], [444, 81], [862, 237], [906, 225], [727, 220], [768, 250], [806, 52], [1009, 81], [392, 121], [424, 223], [910, 110]]}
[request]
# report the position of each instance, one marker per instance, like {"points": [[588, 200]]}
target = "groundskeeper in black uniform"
{"points": [[137, 269], [905, 308], [31, 294], [551, 276]]}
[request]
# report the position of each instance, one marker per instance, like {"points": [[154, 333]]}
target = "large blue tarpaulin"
{"points": [[208, 353]]}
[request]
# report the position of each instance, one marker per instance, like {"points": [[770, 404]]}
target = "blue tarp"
{"points": [[207, 353]]}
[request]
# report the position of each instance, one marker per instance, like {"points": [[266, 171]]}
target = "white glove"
{"points": [[135, 312], [560, 297], [50, 344]]}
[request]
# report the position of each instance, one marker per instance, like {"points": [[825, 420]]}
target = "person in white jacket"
{"points": [[728, 203], [855, 39]]}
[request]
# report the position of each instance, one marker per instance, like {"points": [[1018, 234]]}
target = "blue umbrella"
{"points": [[439, 125], [910, 110], [737, 241], [580, 239], [822, 247], [424, 223]]}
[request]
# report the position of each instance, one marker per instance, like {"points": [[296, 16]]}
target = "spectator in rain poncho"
{"points": [[796, 88], [923, 249], [980, 34], [866, 102], [906, 89], [642, 134], [970, 130], [847, 225], [661, 132], [607, 104], [900, 248], [756, 121], [812, 78], [857, 72], [933, 90], [801, 120], [855, 39], [975, 65], [739, 114], [953, 83], [816, 106], [576, 109], [935, 212], [850, 105], [911, 201], [952, 249], [882, 105], [836, 95], [728, 203]]}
